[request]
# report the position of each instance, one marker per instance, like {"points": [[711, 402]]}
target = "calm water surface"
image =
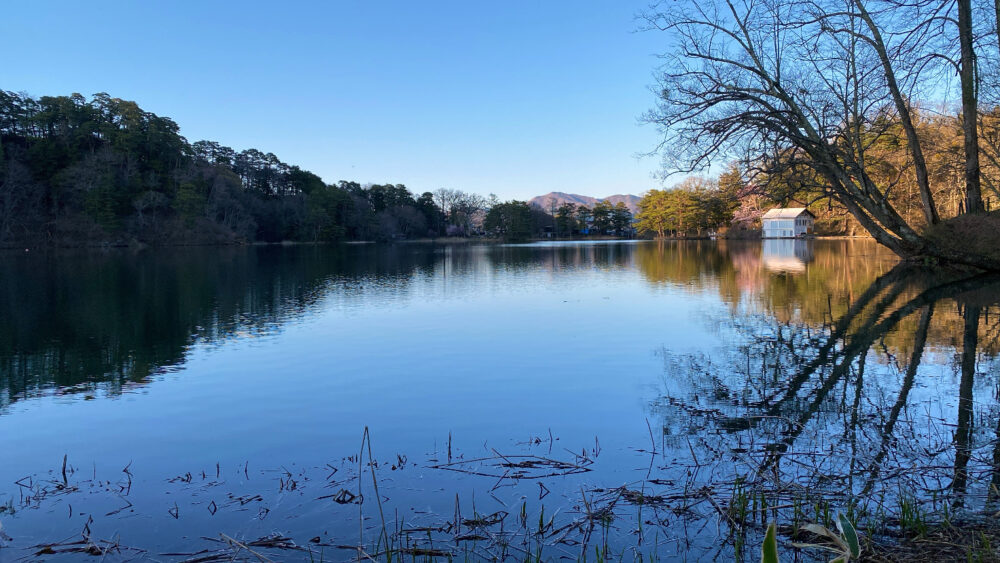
{"points": [[199, 392]]}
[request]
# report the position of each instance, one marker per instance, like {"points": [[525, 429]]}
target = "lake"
{"points": [[596, 399]]}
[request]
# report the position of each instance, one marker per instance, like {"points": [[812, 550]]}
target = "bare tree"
{"points": [[463, 210], [804, 91], [445, 199]]}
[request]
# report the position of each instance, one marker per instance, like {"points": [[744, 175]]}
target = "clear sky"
{"points": [[517, 98]]}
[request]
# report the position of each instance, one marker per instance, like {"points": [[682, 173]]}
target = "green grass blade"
{"points": [[769, 552]]}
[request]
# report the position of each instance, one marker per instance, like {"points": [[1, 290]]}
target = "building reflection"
{"points": [[787, 255]]}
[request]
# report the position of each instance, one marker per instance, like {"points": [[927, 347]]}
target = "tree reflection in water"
{"points": [[872, 410]]}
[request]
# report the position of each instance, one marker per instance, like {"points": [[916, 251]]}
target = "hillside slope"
{"points": [[559, 198]]}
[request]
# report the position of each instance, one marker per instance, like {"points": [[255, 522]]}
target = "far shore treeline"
{"points": [[75, 171]]}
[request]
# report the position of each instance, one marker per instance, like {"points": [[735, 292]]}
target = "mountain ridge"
{"points": [[545, 201]]}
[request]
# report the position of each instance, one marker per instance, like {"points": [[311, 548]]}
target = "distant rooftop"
{"points": [[786, 213]]}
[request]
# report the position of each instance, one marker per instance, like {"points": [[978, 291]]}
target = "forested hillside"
{"points": [[76, 171]]}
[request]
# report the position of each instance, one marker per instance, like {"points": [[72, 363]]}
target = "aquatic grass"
{"points": [[912, 518], [769, 549], [600, 524]]}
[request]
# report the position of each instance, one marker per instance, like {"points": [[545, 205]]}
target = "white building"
{"points": [[788, 223]]}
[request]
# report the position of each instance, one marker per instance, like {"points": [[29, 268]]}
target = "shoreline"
{"points": [[444, 241]]}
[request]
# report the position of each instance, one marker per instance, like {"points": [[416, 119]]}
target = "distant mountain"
{"points": [[546, 201]]}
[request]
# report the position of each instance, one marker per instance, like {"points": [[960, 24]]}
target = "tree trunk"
{"points": [[912, 140], [996, 8], [970, 108]]}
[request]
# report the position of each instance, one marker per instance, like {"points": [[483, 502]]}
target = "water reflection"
{"points": [[836, 272], [787, 255], [879, 403], [75, 322], [78, 322], [804, 370]]}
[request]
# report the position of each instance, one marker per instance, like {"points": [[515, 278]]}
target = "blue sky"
{"points": [[516, 98]]}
